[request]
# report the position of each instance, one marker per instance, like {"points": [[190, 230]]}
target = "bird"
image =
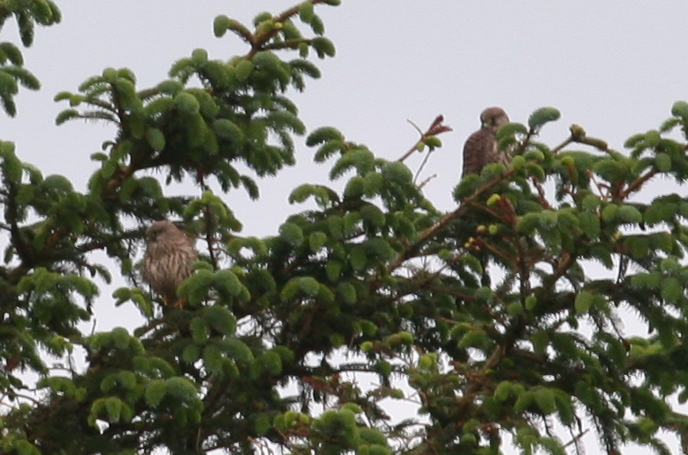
{"points": [[170, 253], [481, 148]]}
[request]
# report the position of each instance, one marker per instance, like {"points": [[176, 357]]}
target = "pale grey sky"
{"points": [[614, 67]]}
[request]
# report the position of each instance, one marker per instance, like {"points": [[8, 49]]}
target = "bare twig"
{"points": [[425, 182], [422, 165], [636, 184], [541, 193], [562, 145], [437, 127], [576, 438]]}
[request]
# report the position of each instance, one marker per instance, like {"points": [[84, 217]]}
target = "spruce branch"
{"points": [[430, 232], [260, 39]]}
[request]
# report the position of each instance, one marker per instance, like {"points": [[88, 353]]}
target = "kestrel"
{"points": [[481, 147], [168, 259]]}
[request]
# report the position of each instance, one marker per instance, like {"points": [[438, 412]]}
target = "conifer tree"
{"points": [[268, 353]]}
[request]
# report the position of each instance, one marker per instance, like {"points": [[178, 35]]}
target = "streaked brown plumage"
{"points": [[481, 147], [168, 259]]}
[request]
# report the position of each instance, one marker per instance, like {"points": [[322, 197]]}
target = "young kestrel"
{"points": [[481, 147], [168, 259]]}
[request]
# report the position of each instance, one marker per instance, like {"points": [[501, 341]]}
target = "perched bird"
{"points": [[481, 147], [480, 150], [168, 259]]}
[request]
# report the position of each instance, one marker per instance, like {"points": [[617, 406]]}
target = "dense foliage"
{"points": [[498, 322]]}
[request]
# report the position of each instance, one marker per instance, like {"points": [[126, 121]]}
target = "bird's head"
{"points": [[493, 117], [159, 228]]}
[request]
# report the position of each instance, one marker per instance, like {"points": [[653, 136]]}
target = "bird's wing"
{"points": [[480, 149]]}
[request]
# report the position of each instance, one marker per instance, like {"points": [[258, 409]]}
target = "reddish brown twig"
{"points": [[437, 127]]}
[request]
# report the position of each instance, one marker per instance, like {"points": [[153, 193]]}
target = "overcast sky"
{"points": [[613, 67]]}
